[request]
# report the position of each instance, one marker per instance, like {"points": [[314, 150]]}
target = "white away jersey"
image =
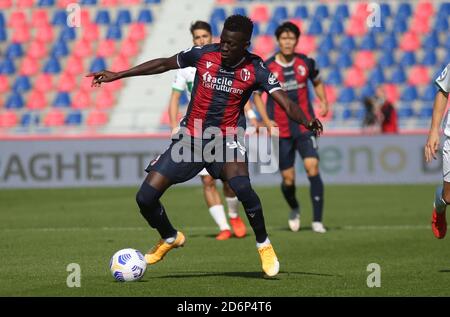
{"points": [[443, 82], [184, 80]]}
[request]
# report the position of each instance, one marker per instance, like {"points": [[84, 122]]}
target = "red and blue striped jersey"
{"points": [[220, 93], [294, 80]]}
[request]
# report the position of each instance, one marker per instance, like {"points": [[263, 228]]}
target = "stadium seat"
{"points": [[81, 100], [376, 77], [64, 3], [264, 44], [418, 75], [24, 4], [59, 49], [301, 12], [14, 50], [315, 27], [368, 42], [39, 18], [2, 20], [367, 91], [398, 75], [431, 41], [53, 118], [322, 60], [331, 93], [152, 1], [88, 2], [106, 48], [52, 66], [46, 3], [66, 82], [123, 17], [429, 93], [97, 118], [8, 119], [82, 49], [145, 16], [347, 95], [218, 15], [43, 82], [240, 11], [102, 17], [408, 59], [336, 27], [7, 66], [420, 25], [327, 44], [256, 29], [356, 27], [404, 9], [74, 65], [344, 60], [74, 118], [392, 92], [321, 11], [429, 58], [62, 100], [424, 9], [334, 77], [426, 112], [271, 27], [67, 34], [30, 118], [409, 93], [119, 63], [36, 100], [104, 100], [4, 84], [341, 12], [260, 13], [22, 84], [17, 19], [306, 44], [136, 32], [355, 78], [29, 66], [400, 26], [410, 42], [59, 18], [365, 60], [21, 34], [98, 64], [14, 101], [129, 49], [44, 34], [347, 44], [90, 32], [114, 32], [389, 41], [3, 35], [111, 3], [385, 10], [280, 14], [441, 25], [405, 112]]}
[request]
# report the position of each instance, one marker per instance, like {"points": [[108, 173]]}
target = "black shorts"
{"points": [[305, 144], [185, 158]]}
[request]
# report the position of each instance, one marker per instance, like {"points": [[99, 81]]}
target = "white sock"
{"points": [[171, 239], [232, 203], [218, 214], [263, 244]]}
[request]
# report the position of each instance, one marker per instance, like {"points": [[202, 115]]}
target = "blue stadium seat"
{"points": [[441, 24], [218, 14], [389, 41], [145, 16], [341, 12], [62, 100], [444, 9], [405, 112], [46, 3], [323, 60], [60, 49], [386, 59], [429, 93], [431, 41], [280, 13], [376, 77], [327, 43], [404, 9], [240, 11], [368, 42], [301, 12], [52, 66], [14, 50], [385, 10], [426, 112], [29, 118], [114, 32], [409, 93], [344, 60], [123, 17], [336, 27], [214, 28], [102, 17], [447, 42], [321, 11], [14, 101], [74, 118], [429, 58], [398, 75], [3, 36], [22, 84], [347, 95], [367, 91], [360, 113], [400, 26], [153, 1], [89, 2], [334, 77], [59, 18], [67, 34], [256, 29], [380, 28], [346, 114], [408, 59], [271, 27], [7, 67], [97, 64], [2, 20], [315, 28], [347, 44]]}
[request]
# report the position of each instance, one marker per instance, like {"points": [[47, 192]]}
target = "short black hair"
{"points": [[239, 23], [287, 27], [200, 25]]}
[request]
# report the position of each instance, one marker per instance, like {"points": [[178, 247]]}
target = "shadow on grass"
{"points": [[444, 271]]}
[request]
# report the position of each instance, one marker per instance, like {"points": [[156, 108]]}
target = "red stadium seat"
{"points": [[136, 32], [44, 34], [365, 60], [85, 84], [8, 119], [81, 100], [260, 13], [85, 17], [113, 86], [39, 18], [66, 82], [106, 48], [37, 50], [64, 3], [104, 100], [90, 32], [36, 100], [97, 118], [361, 11], [355, 78], [6, 4], [331, 93], [356, 27], [419, 75], [82, 49], [264, 44], [424, 9], [420, 25], [4, 84], [306, 44], [410, 42], [23, 4], [111, 3], [120, 63], [74, 65], [392, 92], [54, 117], [17, 19], [128, 2], [21, 34], [29, 66], [44, 82], [129, 48]]}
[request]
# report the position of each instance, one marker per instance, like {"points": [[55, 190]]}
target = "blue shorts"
{"points": [[305, 144], [185, 159]]}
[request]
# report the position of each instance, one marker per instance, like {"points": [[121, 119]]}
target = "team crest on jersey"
{"points": [[245, 74], [272, 80], [208, 64], [301, 70], [262, 64], [275, 74]]}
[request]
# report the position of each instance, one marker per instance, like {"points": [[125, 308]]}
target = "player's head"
{"points": [[287, 35], [235, 39], [201, 33]]}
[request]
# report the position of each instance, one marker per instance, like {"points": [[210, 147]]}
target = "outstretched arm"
{"points": [[319, 88], [155, 66], [295, 113]]}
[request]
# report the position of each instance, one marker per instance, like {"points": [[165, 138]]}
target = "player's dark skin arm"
{"points": [[155, 66], [295, 113]]}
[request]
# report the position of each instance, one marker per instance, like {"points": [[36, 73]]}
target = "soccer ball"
{"points": [[127, 265]]}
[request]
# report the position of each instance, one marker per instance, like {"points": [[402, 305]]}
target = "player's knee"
{"points": [[209, 183], [147, 197], [312, 168]]}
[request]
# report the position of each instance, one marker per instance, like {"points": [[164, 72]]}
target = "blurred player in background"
{"points": [[226, 76], [442, 195], [293, 71], [184, 81]]}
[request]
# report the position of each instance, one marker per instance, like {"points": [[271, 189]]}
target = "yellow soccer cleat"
{"points": [[161, 249], [269, 260]]}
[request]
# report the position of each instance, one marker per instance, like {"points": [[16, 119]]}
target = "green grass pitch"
{"points": [[42, 231]]}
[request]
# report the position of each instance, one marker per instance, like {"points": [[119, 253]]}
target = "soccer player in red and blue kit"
{"points": [[294, 71], [226, 76]]}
